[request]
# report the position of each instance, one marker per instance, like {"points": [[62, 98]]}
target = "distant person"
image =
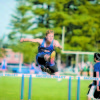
{"points": [[85, 69], [4, 65], [32, 69], [89, 69], [46, 52], [94, 88], [80, 68]]}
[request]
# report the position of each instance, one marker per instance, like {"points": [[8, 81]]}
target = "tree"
{"points": [[81, 19], [2, 45], [20, 23], [83, 26]]}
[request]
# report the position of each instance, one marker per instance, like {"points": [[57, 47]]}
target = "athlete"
{"points": [[94, 88], [46, 54]]}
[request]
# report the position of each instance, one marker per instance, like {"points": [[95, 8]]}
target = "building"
{"points": [[12, 57]]}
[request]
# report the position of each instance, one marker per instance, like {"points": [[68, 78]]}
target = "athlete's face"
{"points": [[50, 37]]}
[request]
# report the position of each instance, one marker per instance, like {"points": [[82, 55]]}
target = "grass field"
{"points": [[42, 89]]}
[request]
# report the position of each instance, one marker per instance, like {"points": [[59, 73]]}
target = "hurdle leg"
{"points": [[69, 89], [30, 86], [78, 89], [22, 88]]}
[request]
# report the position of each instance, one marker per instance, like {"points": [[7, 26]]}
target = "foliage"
{"points": [[29, 51], [80, 18]]}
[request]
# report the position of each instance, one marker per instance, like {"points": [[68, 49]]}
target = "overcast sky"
{"points": [[7, 7]]}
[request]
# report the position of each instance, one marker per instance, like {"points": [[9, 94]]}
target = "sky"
{"points": [[7, 7]]}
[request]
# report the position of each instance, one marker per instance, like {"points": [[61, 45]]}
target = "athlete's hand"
{"points": [[98, 88], [57, 44], [23, 39]]}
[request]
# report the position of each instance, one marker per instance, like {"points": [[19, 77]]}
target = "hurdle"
{"points": [[43, 76], [69, 89], [29, 87], [22, 87], [49, 76], [70, 78], [78, 89]]}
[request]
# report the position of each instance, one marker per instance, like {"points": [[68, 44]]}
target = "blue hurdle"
{"points": [[78, 89], [49, 76], [30, 86], [69, 86], [29, 89], [22, 87], [69, 89]]}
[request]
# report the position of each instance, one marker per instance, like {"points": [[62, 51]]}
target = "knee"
{"points": [[47, 57]]}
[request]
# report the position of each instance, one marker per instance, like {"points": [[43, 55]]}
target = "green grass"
{"points": [[42, 89]]}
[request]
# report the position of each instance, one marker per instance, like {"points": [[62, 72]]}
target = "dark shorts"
{"points": [[97, 94], [41, 61], [93, 93]]}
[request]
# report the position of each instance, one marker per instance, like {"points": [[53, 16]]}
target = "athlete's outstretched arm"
{"points": [[57, 44], [31, 40]]}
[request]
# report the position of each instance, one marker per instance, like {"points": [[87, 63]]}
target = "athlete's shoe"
{"points": [[48, 71], [44, 69], [52, 57]]}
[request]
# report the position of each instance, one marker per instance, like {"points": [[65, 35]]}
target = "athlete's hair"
{"points": [[49, 31], [97, 56]]}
